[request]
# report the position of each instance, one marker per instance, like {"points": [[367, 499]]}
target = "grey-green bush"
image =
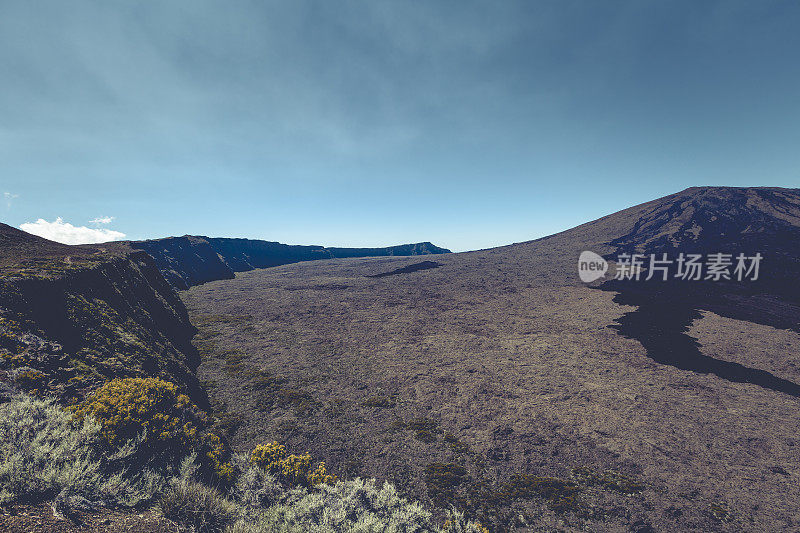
{"points": [[42, 452], [358, 506], [255, 488], [45, 454]]}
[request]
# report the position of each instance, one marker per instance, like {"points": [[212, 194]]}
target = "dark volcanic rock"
{"points": [[734, 220]]}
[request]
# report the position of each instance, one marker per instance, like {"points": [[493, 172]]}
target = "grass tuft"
{"points": [[195, 505]]}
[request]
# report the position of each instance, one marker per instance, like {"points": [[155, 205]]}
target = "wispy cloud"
{"points": [[101, 220], [66, 233], [9, 198]]}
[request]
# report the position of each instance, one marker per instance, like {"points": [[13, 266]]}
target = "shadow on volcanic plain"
{"points": [[424, 265], [666, 311]]}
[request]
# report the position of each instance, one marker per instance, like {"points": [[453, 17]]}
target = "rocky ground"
{"points": [[41, 519], [496, 374]]}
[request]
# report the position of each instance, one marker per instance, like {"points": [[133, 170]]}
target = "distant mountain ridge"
{"points": [[191, 260]]}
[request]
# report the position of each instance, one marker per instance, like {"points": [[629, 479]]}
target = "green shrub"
{"points": [[456, 445], [234, 362], [302, 401], [255, 487], [42, 451], [30, 380], [47, 454], [443, 480], [457, 523], [353, 506], [609, 479], [561, 496], [264, 381], [720, 512], [424, 429]]}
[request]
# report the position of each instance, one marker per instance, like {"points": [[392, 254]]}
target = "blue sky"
{"points": [[469, 124]]}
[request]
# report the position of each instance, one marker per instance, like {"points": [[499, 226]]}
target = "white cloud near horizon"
{"points": [[101, 220], [66, 233]]}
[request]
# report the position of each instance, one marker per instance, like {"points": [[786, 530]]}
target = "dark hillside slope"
{"points": [[23, 254], [721, 219], [246, 254], [763, 221], [73, 317], [498, 381], [420, 248]]}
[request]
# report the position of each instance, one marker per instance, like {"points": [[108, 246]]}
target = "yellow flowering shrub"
{"points": [[268, 456], [126, 407], [217, 451], [457, 525], [293, 469], [321, 476]]}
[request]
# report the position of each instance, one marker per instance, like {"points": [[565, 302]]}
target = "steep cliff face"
{"points": [[186, 261], [420, 248], [189, 261], [247, 254], [91, 316]]}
